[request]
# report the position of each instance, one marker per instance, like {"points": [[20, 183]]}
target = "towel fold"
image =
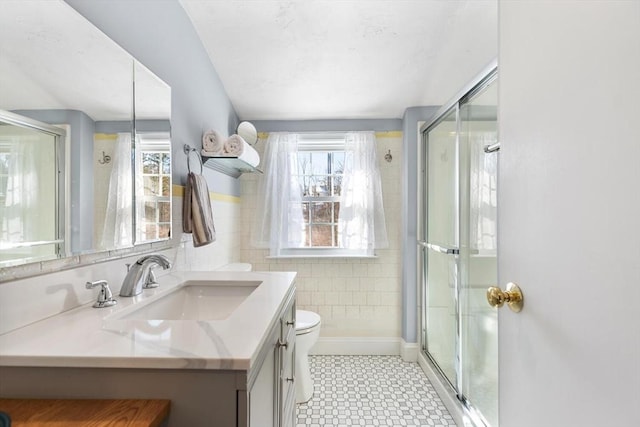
{"points": [[212, 143], [197, 216], [234, 146]]}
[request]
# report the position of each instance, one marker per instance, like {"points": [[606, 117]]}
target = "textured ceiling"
{"points": [[322, 59]]}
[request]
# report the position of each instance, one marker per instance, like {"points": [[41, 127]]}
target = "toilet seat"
{"points": [[306, 321]]}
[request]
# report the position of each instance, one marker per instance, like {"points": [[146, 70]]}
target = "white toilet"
{"points": [[307, 333]]}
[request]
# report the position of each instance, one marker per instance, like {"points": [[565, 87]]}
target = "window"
{"points": [[320, 196], [320, 179], [154, 205]]}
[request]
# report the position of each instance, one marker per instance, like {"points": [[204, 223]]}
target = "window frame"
{"points": [[160, 145], [327, 143]]}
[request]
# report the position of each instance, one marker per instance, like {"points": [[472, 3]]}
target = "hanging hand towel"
{"points": [[197, 217]]}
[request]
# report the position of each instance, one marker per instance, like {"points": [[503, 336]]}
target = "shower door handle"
{"points": [[438, 248], [512, 296]]}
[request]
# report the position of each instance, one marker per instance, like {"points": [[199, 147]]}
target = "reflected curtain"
{"points": [[22, 208], [361, 224], [279, 222], [118, 224], [483, 193]]}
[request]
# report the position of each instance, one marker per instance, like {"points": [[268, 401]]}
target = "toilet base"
{"points": [[304, 386]]}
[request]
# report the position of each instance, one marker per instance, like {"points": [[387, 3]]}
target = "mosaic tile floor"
{"points": [[371, 391]]}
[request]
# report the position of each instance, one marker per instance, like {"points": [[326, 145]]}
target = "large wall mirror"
{"points": [[85, 151]]}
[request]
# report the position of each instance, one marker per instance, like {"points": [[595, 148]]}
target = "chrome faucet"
{"points": [[139, 274]]}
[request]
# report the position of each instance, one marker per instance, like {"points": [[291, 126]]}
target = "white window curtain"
{"points": [[279, 222], [483, 194], [361, 224], [118, 224], [22, 206]]}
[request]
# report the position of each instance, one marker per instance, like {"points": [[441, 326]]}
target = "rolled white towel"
{"points": [[234, 146], [212, 143], [250, 155]]}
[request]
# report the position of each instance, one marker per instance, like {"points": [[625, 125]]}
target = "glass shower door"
{"points": [[441, 246], [459, 247], [478, 251]]}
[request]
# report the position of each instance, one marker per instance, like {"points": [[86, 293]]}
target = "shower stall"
{"points": [[457, 244]]}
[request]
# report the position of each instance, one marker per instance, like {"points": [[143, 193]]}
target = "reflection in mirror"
{"points": [[153, 157], [85, 86], [59, 69], [153, 187], [30, 191]]}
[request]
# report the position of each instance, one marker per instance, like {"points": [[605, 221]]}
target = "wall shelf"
{"points": [[232, 166]]}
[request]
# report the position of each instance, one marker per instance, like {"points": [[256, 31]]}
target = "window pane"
{"points": [[151, 231], [335, 236], [166, 163], [305, 184], [337, 185], [151, 187], [166, 186], [164, 231], [305, 229], [165, 211], [337, 162], [150, 211], [336, 211], [320, 163], [305, 212], [320, 186], [321, 212], [321, 235], [151, 163], [304, 163]]}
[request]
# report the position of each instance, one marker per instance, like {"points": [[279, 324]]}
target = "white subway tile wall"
{"points": [[226, 248], [355, 297]]}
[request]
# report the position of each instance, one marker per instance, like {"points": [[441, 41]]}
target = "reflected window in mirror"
{"points": [[153, 187]]}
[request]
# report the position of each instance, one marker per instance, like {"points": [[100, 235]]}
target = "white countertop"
{"points": [[90, 337]]}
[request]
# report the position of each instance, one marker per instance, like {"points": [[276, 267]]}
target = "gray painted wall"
{"points": [[160, 35], [81, 159], [410, 121]]}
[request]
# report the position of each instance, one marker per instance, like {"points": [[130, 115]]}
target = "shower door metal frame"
{"points": [[483, 80], [59, 134]]}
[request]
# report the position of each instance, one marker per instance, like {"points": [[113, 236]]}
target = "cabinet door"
{"points": [[263, 394], [286, 365]]}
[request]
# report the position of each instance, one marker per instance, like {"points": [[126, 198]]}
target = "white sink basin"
{"points": [[195, 300]]}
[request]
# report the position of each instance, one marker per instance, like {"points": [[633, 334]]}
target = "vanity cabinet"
{"points": [[261, 396], [270, 400]]}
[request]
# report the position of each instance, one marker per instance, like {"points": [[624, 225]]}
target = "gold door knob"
{"points": [[512, 296]]}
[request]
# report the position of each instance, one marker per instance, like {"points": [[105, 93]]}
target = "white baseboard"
{"points": [[355, 346], [409, 351]]}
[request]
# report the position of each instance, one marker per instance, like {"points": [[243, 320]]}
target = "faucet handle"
{"points": [[151, 283], [105, 297]]}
